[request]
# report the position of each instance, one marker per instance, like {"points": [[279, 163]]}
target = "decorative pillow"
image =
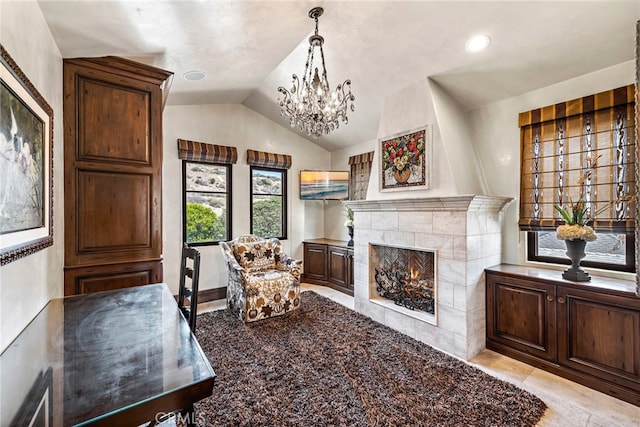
{"points": [[280, 257], [258, 256]]}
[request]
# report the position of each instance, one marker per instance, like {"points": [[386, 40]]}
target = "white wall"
{"points": [[457, 139], [497, 140], [406, 110], [474, 152], [28, 283], [453, 166], [334, 211], [234, 125]]}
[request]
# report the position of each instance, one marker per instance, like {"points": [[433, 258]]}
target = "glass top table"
{"points": [[120, 357]]}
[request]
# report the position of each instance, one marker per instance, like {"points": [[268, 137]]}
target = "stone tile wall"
{"points": [[465, 233]]}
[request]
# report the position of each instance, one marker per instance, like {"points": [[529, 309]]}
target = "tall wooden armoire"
{"points": [[113, 173]]}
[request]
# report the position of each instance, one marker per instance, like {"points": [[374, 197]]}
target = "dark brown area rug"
{"points": [[326, 365]]}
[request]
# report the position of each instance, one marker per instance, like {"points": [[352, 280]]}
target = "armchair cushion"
{"points": [[273, 292], [255, 256]]}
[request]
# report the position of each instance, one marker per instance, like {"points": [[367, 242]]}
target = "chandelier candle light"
{"points": [[312, 106]]}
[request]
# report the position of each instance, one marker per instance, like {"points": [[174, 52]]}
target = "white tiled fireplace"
{"points": [[464, 232]]}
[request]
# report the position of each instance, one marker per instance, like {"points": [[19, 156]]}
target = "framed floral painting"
{"points": [[403, 160]]}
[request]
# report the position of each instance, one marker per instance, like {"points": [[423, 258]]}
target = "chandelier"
{"points": [[312, 106]]}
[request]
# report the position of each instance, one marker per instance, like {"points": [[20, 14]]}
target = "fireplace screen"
{"points": [[405, 276]]}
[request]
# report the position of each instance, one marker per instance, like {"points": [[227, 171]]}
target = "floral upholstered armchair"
{"points": [[263, 281]]}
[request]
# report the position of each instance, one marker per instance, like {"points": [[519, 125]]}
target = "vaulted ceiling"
{"points": [[249, 48]]}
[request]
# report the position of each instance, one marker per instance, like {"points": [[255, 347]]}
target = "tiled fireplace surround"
{"points": [[464, 231]]}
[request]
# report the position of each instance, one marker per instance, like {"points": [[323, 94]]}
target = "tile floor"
{"points": [[569, 404]]}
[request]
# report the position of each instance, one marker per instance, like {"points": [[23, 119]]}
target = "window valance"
{"points": [[268, 160], [209, 153], [560, 142], [361, 158]]}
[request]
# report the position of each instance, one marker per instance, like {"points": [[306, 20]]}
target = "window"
{"points": [[206, 191], [207, 202], [558, 143], [610, 251], [269, 202], [268, 193], [359, 177]]}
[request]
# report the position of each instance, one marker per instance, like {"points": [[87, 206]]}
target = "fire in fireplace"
{"points": [[412, 294], [405, 276]]}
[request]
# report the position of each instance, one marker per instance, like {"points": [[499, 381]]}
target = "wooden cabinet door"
{"points": [[599, 334], [337, 270], [113, 171], [315, 262], [350, 281], [521, 316]]}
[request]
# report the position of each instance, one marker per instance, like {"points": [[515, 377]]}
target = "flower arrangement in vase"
{"points": [[575, 231], [349, 224], [349, 213], [401, 154]]}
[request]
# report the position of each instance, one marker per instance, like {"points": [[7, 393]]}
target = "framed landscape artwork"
{"points": [[26, 178], [403, 160], [324, 185]]}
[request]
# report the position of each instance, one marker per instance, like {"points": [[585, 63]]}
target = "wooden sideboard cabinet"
{"points": [[329, 263], [588, 332]]}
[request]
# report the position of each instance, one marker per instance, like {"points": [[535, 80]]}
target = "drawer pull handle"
{"points": [[549, 298], [561, 300]]}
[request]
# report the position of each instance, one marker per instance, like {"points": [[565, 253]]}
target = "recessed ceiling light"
{"points": [[477, 43], [194, 75]]}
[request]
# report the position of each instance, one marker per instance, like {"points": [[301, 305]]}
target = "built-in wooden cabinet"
{"points": [[521, 315], [340, 268], [113, 173], [588, 332], [315, 262], [329, 263]]}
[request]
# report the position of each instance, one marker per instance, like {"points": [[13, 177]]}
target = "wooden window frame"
{"points": [[283, 172], [228, 199], [630, 255]]}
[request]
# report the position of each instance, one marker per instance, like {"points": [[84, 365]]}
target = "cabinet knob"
{"points": [[561, 300], [549, 298]]}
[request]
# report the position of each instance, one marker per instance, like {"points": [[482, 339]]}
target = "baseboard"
{"points": [[212, 294]]}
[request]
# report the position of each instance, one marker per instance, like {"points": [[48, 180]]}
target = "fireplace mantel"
{"points": [[465, 203]]}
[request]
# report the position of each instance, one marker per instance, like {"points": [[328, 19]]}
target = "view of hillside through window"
{"points": [[206, 200], [268, 195]]}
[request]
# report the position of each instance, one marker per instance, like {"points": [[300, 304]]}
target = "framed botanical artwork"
{"points": [[403, 160], [26, 166]]}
